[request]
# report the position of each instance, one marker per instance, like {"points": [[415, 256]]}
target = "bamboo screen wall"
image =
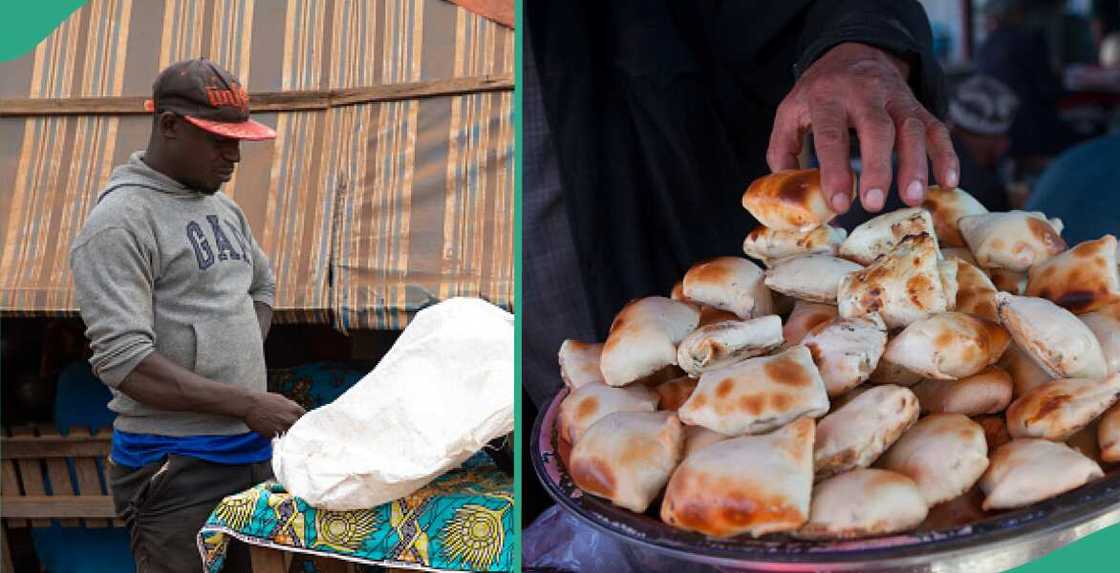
{"points": [[389, 186]]}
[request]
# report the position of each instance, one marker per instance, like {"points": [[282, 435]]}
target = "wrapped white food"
{"points": [[1105, 324], [883, 233], [856, 434], [1057, 410], [644, 337], [757, 394], [723, 343], [806, 316], [986, 392], [1014, 240], [1057, 341], [948, 345], [579, 363], [947, 206], [1029, 470], [443, 391], [591, 402], [863, 503], [766, 244], [902, 286], [945, 454], [814, 278], [846, 350], [733, 284]]}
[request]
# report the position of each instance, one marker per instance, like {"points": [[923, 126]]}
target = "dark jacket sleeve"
{"points": [[898, 26]]}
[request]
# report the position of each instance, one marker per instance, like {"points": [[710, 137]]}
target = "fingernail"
{"points": [[839, 203], [951, 178], [874, 199], [915, 191]]}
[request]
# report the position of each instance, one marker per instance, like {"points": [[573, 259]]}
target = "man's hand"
{"points": [[855, 85], [161, 383], [270, 414]]}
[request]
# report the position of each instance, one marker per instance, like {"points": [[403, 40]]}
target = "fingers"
{"points": [[876, 141], [946, 166], [913, 170], [785, 139], [830, 137], [864, 89]]}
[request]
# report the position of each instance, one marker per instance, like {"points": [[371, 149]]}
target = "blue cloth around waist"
{"points": [[136, 450]]}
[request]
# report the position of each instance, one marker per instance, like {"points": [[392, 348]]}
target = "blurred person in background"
{"points": [[1065, 25], [1017, 53], [1105, 19], [1110, 62], [1082, 187], [981, 112], [1110, 51]]}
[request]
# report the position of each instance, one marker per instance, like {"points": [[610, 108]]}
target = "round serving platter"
{"points": [[997, 543]]}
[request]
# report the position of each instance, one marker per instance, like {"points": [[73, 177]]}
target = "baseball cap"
{"points": [[984, 105], [208, 97]]}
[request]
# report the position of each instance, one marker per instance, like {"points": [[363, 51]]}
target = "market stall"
{"points": [[861, 400], [388, 188]]}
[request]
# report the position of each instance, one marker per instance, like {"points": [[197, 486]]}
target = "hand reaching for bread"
{"points": [[861, 87], [899, 379]]}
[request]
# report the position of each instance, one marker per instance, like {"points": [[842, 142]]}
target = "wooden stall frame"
{"points": [[266, 101]]}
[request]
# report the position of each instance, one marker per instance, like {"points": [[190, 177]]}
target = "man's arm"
{"points": [[263, 287], [867, 65], [113, 281], [264, 317], [159, 382], [897, 27]]}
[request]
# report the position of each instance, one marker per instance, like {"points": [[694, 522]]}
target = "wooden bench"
{"points": [[32, 457], [35, 458]]}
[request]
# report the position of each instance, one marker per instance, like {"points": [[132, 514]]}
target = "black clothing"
{"points": [[660, 115], [165, 504], [1019, 57]]}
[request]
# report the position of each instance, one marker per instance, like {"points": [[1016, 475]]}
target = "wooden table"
{"points": [[271, 560]]}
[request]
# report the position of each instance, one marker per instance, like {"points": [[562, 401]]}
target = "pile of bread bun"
{"points": [[936, 365]]}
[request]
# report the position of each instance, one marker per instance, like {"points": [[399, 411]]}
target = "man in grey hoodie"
{"points": [[177, 299]]}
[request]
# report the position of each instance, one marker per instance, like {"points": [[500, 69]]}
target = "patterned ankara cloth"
{"points": [[462, 521]]}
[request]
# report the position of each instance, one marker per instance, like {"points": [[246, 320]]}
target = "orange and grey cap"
{"points": [[208, 97]]}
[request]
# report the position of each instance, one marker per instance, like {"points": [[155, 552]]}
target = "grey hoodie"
{"points": [[160, 267]]}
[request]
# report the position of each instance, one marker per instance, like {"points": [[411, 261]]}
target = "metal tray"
{"points": [[997, 543]]}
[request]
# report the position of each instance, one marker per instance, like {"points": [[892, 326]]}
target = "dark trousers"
{"points": [[166, 503]]}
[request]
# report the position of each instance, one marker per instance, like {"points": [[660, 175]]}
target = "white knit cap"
{"points": [[984, 105]]}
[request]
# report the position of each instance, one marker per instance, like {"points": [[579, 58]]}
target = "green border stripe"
{"points": [[1090, 554], [519, 434], [27, 22]]}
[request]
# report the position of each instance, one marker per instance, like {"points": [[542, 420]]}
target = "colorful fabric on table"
{"points": [[316, 384], [462, 521]]}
